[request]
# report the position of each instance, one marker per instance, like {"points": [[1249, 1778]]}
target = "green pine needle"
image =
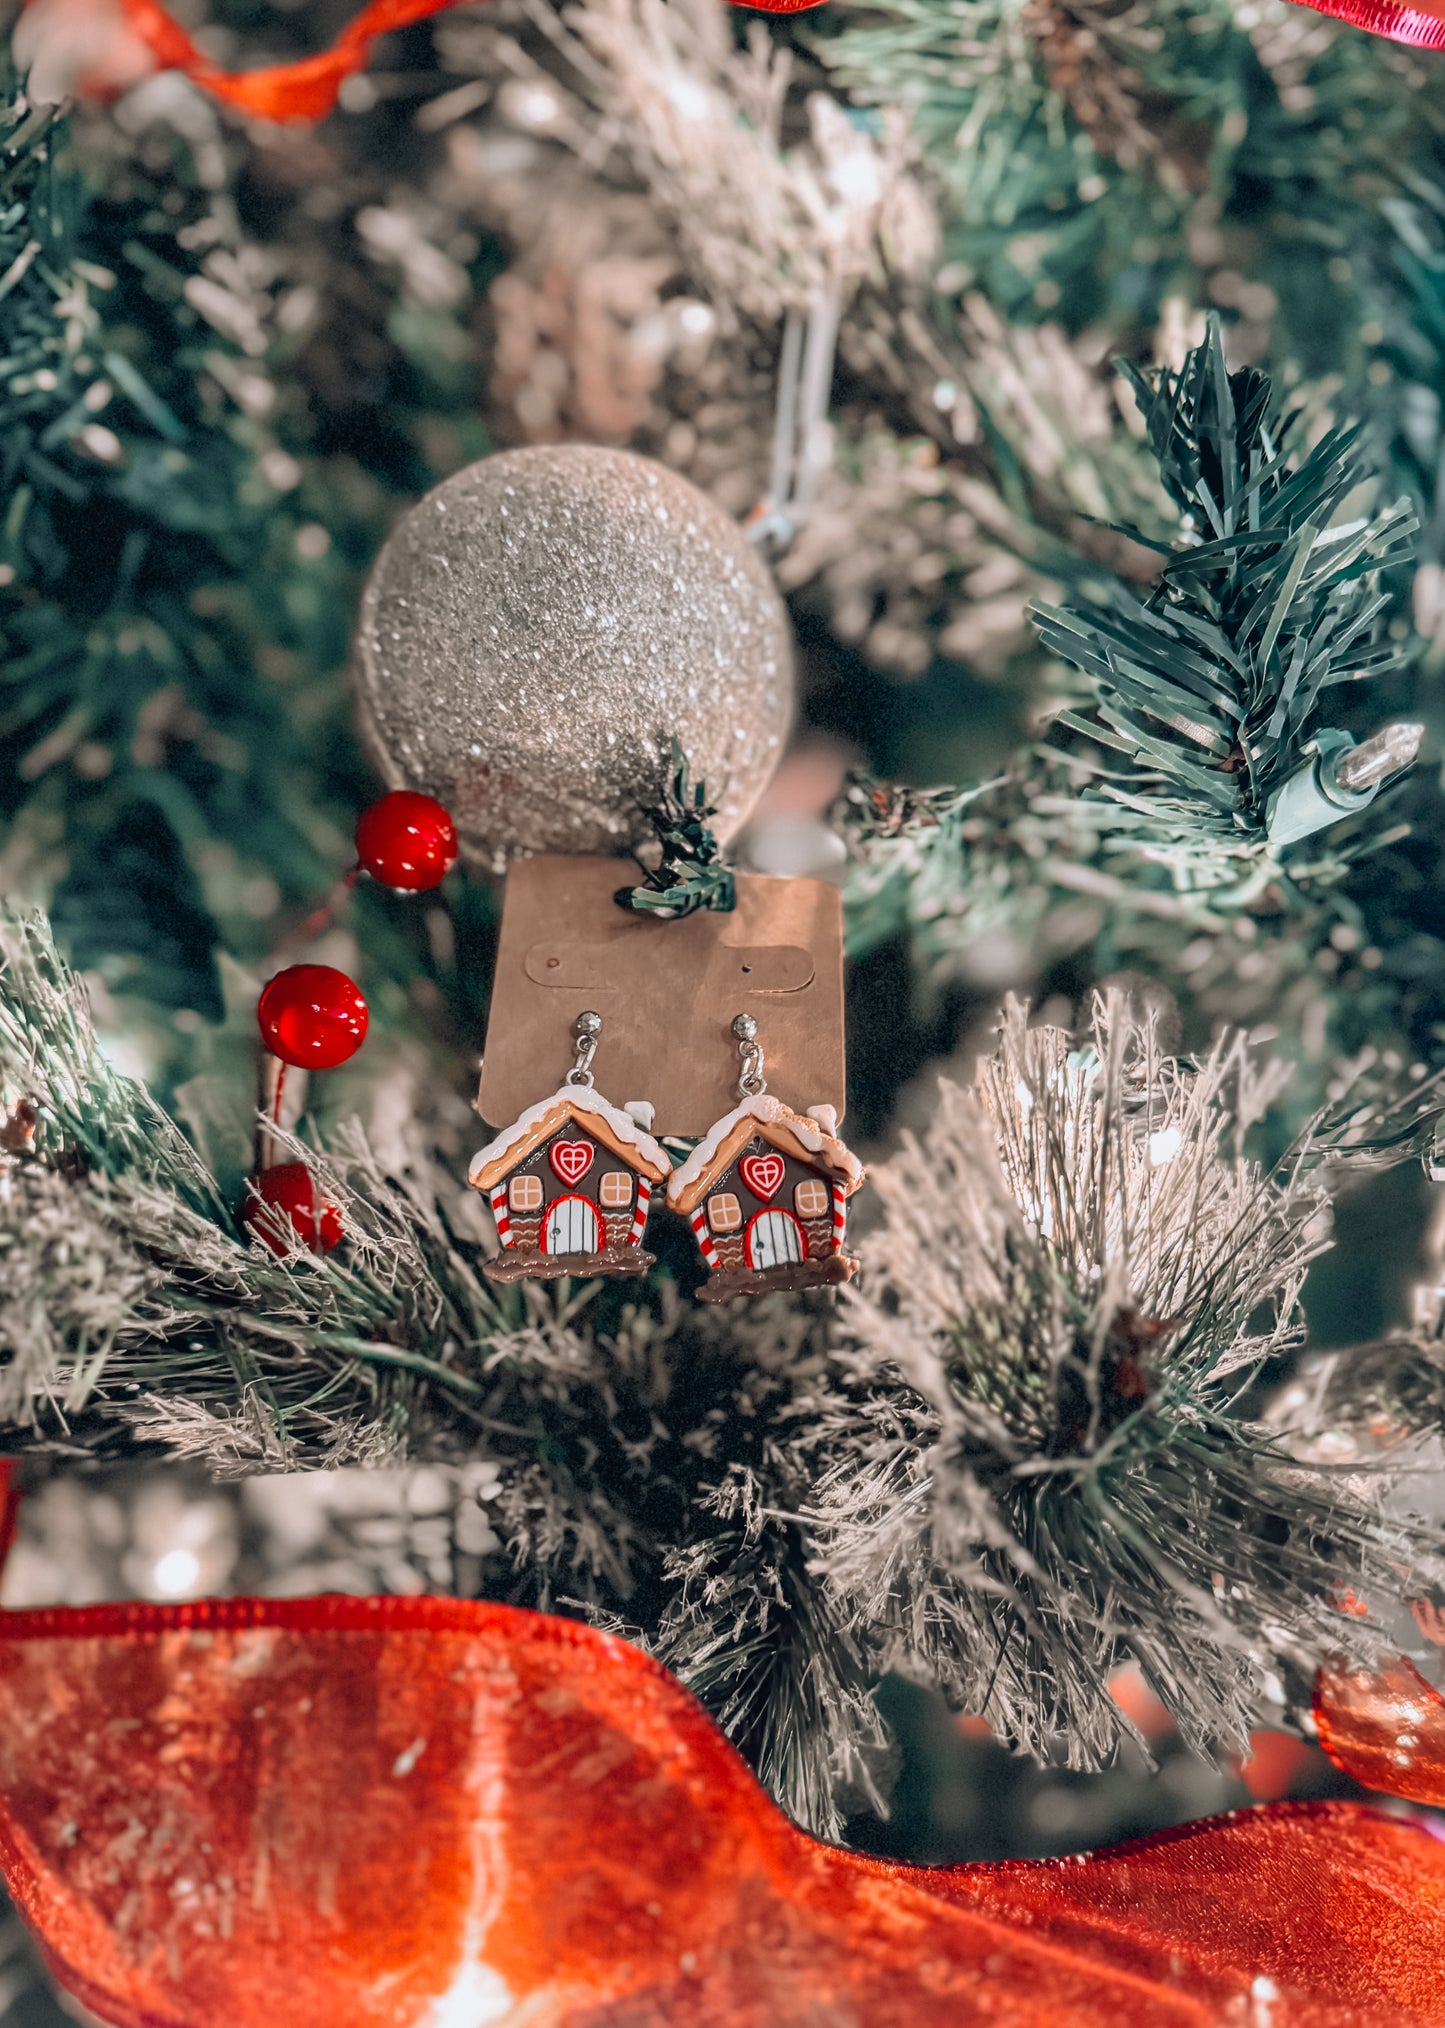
{"points": [[1214, 684]]}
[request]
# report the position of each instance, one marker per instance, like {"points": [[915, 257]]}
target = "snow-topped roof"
{"points": [[798, 1133], [616, 1128]]}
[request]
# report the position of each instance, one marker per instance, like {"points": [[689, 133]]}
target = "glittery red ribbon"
{"points": [[1421, 27], [389, 1812], [289, 91], [306, 90], [384, 1812]]}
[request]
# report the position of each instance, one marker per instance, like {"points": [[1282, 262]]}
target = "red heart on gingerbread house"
{"points": [[571, 1159], [762, 1174]]}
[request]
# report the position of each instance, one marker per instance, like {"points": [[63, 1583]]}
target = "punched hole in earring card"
{"points": [[779, 968], [667, 992]]}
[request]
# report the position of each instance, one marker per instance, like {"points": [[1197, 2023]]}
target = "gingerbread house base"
{"points": [[826, 1272], [515, 1266]]}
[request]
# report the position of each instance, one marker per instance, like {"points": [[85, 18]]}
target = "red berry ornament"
{"points": [[312, 1016], [407, 840], [291, 1193]]}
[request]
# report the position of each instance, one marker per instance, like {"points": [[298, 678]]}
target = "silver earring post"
{"points": [[752, 1083], [587, 1028]]}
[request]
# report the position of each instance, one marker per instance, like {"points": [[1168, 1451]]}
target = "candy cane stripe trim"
{"points": [[704, 1238]]}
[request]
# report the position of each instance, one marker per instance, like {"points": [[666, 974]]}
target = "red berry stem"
{"points": [[404, 841], [9, 1507], [312, 1016], [272, 1088], [322, 917]]}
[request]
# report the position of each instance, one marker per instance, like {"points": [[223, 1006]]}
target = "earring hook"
{"points": [[752, 1083], [587, 1028]]}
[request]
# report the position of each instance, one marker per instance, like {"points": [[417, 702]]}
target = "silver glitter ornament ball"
{"points": [[539, 628]]}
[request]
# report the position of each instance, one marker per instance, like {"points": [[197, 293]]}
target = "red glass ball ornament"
{"points": [[407, 840], [312, 1016], [291, 1190]]}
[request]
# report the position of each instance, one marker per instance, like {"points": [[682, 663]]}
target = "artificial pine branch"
{"points": [[1208, 692], [690, 873], [1065, 201], [149, 554], [135, 1314], [1044, 1471], [1214, 684], [1012, 1461], [188, 507]]}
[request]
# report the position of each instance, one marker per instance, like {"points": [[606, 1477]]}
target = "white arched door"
{"points": [[572, 1226], [774, 1239]]}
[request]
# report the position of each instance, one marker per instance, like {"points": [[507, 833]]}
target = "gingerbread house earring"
{"points": [[570, 1182], [766, 1191]]}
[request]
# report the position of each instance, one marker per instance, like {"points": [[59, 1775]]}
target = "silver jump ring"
{"points": [[752, 1083], [587, 1028]]}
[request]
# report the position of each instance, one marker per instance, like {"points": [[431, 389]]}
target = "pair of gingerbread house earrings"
{"points": [[766, 1191]]}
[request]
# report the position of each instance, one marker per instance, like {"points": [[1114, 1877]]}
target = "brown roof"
{"points": [[616, 1130], [791, 1133]]}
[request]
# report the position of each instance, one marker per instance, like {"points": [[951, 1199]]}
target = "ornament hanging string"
{"points": [[306, 90]]}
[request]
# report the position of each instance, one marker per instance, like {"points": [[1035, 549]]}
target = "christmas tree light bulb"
{"points": [[1341, 780], [1389, 752]]}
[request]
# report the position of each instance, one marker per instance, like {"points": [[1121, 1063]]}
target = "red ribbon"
{"points": [[378, 1812], [1421, 27], [306, 90]]}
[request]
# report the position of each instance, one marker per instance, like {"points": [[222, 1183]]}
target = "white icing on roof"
{"points": [[808, 1133], [583, 1100]]}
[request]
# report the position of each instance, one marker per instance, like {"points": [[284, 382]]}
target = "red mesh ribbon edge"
{"points": [[1409, 25], [337, 1612], [9, 1509], [306, 90]]}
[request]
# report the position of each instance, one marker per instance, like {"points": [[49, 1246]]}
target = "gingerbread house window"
{"points": [[812, 1198], [524, 1193], [724, 1213], [614, 1189]]}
